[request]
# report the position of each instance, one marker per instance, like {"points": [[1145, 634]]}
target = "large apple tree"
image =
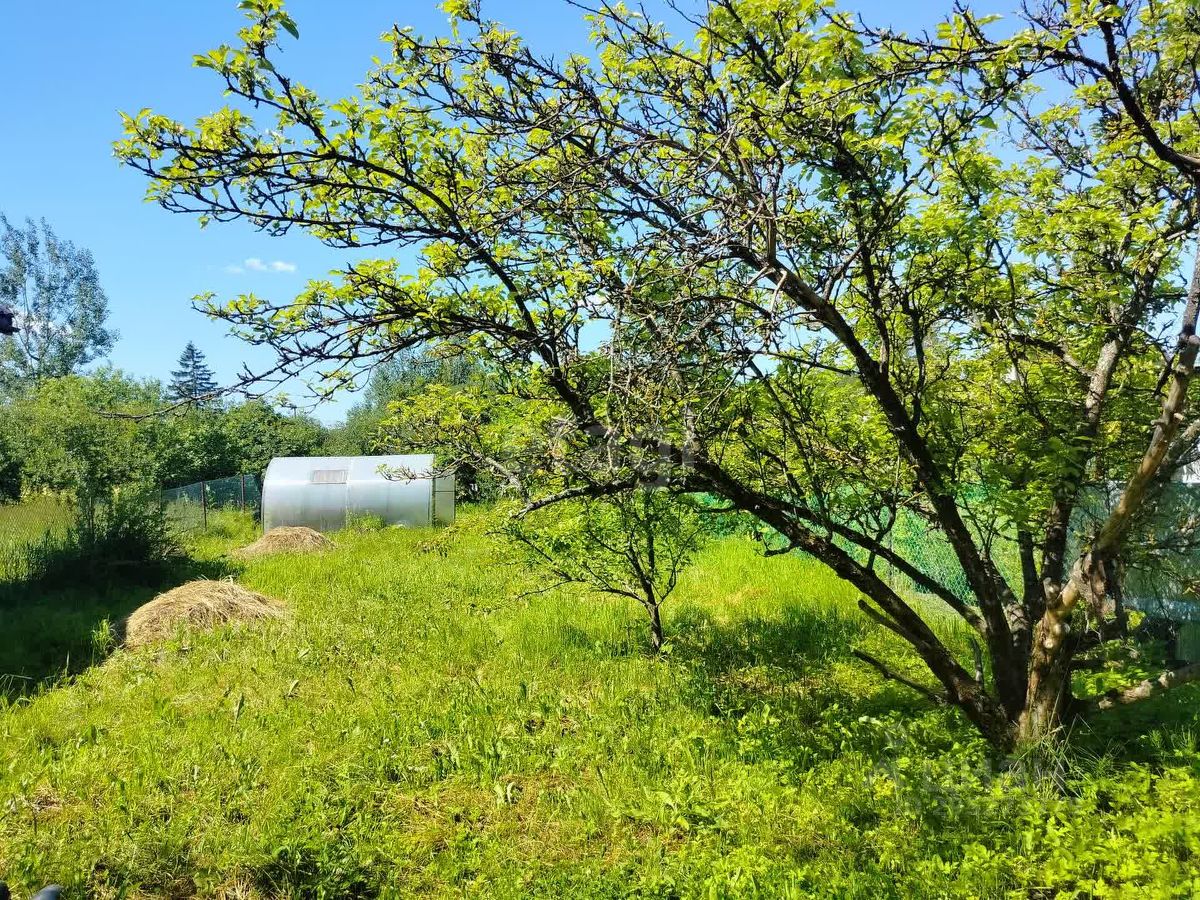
{"points": [[835, 277]]}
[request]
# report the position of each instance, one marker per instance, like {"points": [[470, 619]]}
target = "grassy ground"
{"points": [[62, 623], [23, 525], [44, 632], [422, 726]]}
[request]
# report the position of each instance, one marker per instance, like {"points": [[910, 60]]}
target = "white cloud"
{"points": [[254, 264]]}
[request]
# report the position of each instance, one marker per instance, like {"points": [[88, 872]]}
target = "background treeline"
{"points": [[106, 428]]}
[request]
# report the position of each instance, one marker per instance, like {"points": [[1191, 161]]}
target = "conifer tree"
{"points": [[193, 380]]}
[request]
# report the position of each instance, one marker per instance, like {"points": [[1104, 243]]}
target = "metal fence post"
{"points": [[242, 501], [204, 505]]}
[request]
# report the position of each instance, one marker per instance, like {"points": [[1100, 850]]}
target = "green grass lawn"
{"points": [[423, 725], [44, 632]]}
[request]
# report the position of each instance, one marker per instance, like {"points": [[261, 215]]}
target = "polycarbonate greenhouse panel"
{"points": [[322, 491]]}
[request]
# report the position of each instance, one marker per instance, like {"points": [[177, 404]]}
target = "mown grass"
{"points": [[424, 725]]}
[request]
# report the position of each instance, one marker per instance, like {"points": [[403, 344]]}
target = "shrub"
{"points": [[125, 535]]}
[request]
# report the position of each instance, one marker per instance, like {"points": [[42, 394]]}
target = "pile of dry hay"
{"points": [[197, 604], [285, 539]]}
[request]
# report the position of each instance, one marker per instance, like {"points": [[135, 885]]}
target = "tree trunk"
{"points": [[1049, 696], [656, 629], [989, 716], [1048, 693]]}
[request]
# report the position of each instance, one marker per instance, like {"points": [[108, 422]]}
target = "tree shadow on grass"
{"points": [[800, 664], [50, 631], [799, 661], [797, 641], [790, 681], [1164, 730]]}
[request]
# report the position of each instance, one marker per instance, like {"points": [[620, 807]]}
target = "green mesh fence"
{"points": [[1160, 570], [918, 543], [188, 507], [1160, 575], [911, 537]]}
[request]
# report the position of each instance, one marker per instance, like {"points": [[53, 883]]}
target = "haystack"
{"points": [[199, 605], [285, 539]]}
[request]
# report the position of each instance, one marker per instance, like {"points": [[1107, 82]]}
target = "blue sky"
{"points": [[70, 67]]}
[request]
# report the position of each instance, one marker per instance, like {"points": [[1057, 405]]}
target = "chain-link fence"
{"points": [[1159, 573], [189, 507]]}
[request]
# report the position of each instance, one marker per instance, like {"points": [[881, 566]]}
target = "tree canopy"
{"points": [[842, 279], [85, 435], [54, 291]]}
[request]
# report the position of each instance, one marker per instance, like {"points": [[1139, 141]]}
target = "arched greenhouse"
{"points": [[326, 492]]}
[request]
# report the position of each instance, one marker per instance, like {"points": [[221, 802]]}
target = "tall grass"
{"points": [[54, 544], [66, 582], [28, 531], [425, 724]]}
